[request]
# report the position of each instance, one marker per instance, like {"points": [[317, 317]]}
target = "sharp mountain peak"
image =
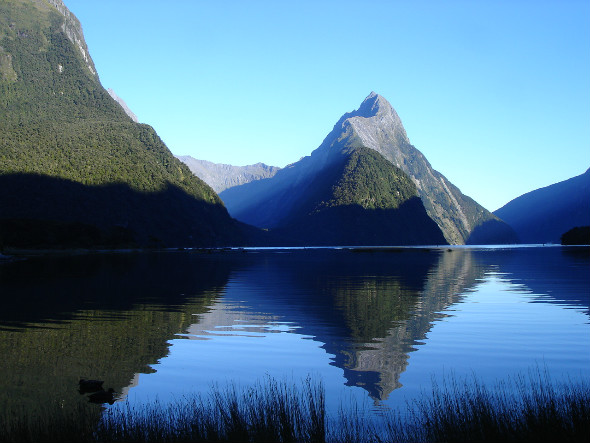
{"points": [[375, 125], [373, 105]]}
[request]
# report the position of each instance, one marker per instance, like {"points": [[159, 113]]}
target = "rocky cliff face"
{"points": [[73, 29], [70, 26]]}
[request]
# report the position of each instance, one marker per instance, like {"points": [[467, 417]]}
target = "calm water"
{"points": [[375, 326]]}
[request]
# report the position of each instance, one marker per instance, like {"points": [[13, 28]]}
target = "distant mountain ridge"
{"points": [[375, 125], [543, 215], [222, 176]]}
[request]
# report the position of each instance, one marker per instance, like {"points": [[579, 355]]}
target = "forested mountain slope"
{"points": [[75, 170], [361, 199]]}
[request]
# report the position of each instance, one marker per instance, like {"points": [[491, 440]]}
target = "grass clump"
{"points": [[525, 409], [273, 412], [55, 424]]}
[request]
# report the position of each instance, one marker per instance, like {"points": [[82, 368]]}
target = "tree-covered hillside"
{"points": [[368, 181], [60, 127], [361, 200]]}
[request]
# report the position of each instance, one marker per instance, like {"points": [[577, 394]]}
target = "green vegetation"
{"points": [[579, 235], [523, 409], [269, 412], [527, 410], [57, 121], [361, 199], [371, 182]]}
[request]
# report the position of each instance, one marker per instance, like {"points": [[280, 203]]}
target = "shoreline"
{"points": [[11, 254]]}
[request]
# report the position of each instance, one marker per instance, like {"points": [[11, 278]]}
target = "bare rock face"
{"points": [[73, 29], [377, 126], [221, 176], [7, 72], [122, 103]]}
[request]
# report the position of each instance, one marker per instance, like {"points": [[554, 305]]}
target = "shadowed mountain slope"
{"points": [[361, 200], [543, 215]]}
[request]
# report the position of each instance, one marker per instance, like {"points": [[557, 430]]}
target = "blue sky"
{"points": [[495, 94]]}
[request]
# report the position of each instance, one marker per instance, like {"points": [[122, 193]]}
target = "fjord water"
{"points": [[375, 326]]}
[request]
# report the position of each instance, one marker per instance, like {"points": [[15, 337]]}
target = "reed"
{"points": [[526, 408], [267, 412], [54, 424]]}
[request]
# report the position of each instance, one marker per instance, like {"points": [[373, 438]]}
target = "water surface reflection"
{"points": [[367, 323]]}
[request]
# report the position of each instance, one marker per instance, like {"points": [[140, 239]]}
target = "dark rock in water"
{"points": [[580, 235], [87, 386], [102, 396]]}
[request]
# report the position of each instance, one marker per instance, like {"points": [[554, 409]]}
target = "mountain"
{"points": [[272, 203], [75, 170], [543, 215], [221, 176], [360, 199]]}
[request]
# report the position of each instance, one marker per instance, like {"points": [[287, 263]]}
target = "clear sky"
{"points": [[495, 93]]}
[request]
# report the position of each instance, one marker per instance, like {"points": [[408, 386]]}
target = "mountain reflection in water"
{"points": [[118, 316], [367, 309]]}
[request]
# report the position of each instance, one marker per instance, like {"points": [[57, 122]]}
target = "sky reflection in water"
{"points": [[374, 327], [492, 327]]}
